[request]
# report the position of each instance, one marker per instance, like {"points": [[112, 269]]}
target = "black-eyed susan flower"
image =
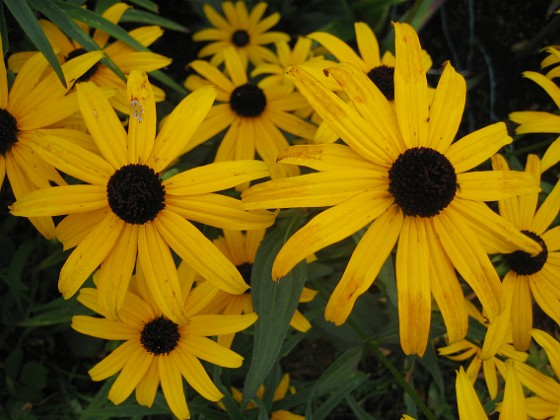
{"points": [[280, 392], [241, 248], [124, 56], [253, 115], [468, 404], [126, 210], [36, 104], [157, 351], [245, 31], [402, 178], [540, 121], [531, 276]]}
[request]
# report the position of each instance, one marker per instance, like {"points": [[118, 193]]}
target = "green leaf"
{"points": [[140, 16], [21, 12], [146, 4], [168, 81], [346, 388], [338, 373], [275, 304]]}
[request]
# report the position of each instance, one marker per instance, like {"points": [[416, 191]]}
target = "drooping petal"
{"points": [[116, 271], [115, 361], [542, 385], [547, 212], [328, 227], [446, 289], [413, 286], [160, 272], [74, 228], [172, 386], [469, 258], [364, 265], [147, 387], [468, 403], [551, 346], [200, 253], [195, 374], [89, 254]]}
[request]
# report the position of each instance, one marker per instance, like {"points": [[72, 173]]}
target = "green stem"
{"points": [[413, 11], [394, 371]]}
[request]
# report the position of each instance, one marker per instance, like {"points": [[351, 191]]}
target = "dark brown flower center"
{"points": [[160, 336], [248, 100], [382, 76], [523, 263], [92, 70], [136, 194], [240, 38], [8, 131], [246, 270], [422, 181]]}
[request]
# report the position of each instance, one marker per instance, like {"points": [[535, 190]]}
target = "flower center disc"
{"points": [[248, 100], [382, 77], [8, 131], [422, 181], [92, 70], [246, 270], [160, 336], [136, 194], [240, 38], [523, 263]]}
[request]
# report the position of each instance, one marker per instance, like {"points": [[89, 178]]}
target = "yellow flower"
{"points": [[241, 248], [36, 104], [126, 209], [125, 57], [401, 175], [244, 31], [253, 114], [468, 403], [541, 122], [159, 351], [552, 60], [531, 276], [463, 350]]}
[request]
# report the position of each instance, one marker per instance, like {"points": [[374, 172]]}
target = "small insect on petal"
{"points": [[136, 110]]}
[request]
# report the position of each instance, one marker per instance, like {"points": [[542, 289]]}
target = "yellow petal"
{"points": [[342, 118], [103, 124], [339, 49], [495, 185], [477, 147], [542, 385], [547, 212], [208, 325], [217, 176], [103, 328], [61, 200], [89, 254], [115, 361], [175, 135], [413, 286], [142, 121], [411, 87], [172, 386], [160, 272], [148, 385], [551, 346], [522, 312], [513, 405], [446, 109], [329, 227], [206, 349], [367, 45], [201, 254], [547, 84], [364, 265], [135, 368], [195, 374], [468, 403]]}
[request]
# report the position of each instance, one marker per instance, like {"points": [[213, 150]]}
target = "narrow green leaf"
{"points": [[168, 81], [338, 372], [275, 304], [140, 16], [357, 410], [21, 12], [346, 388], [146, 4], [4, 31], [61, 19]]}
